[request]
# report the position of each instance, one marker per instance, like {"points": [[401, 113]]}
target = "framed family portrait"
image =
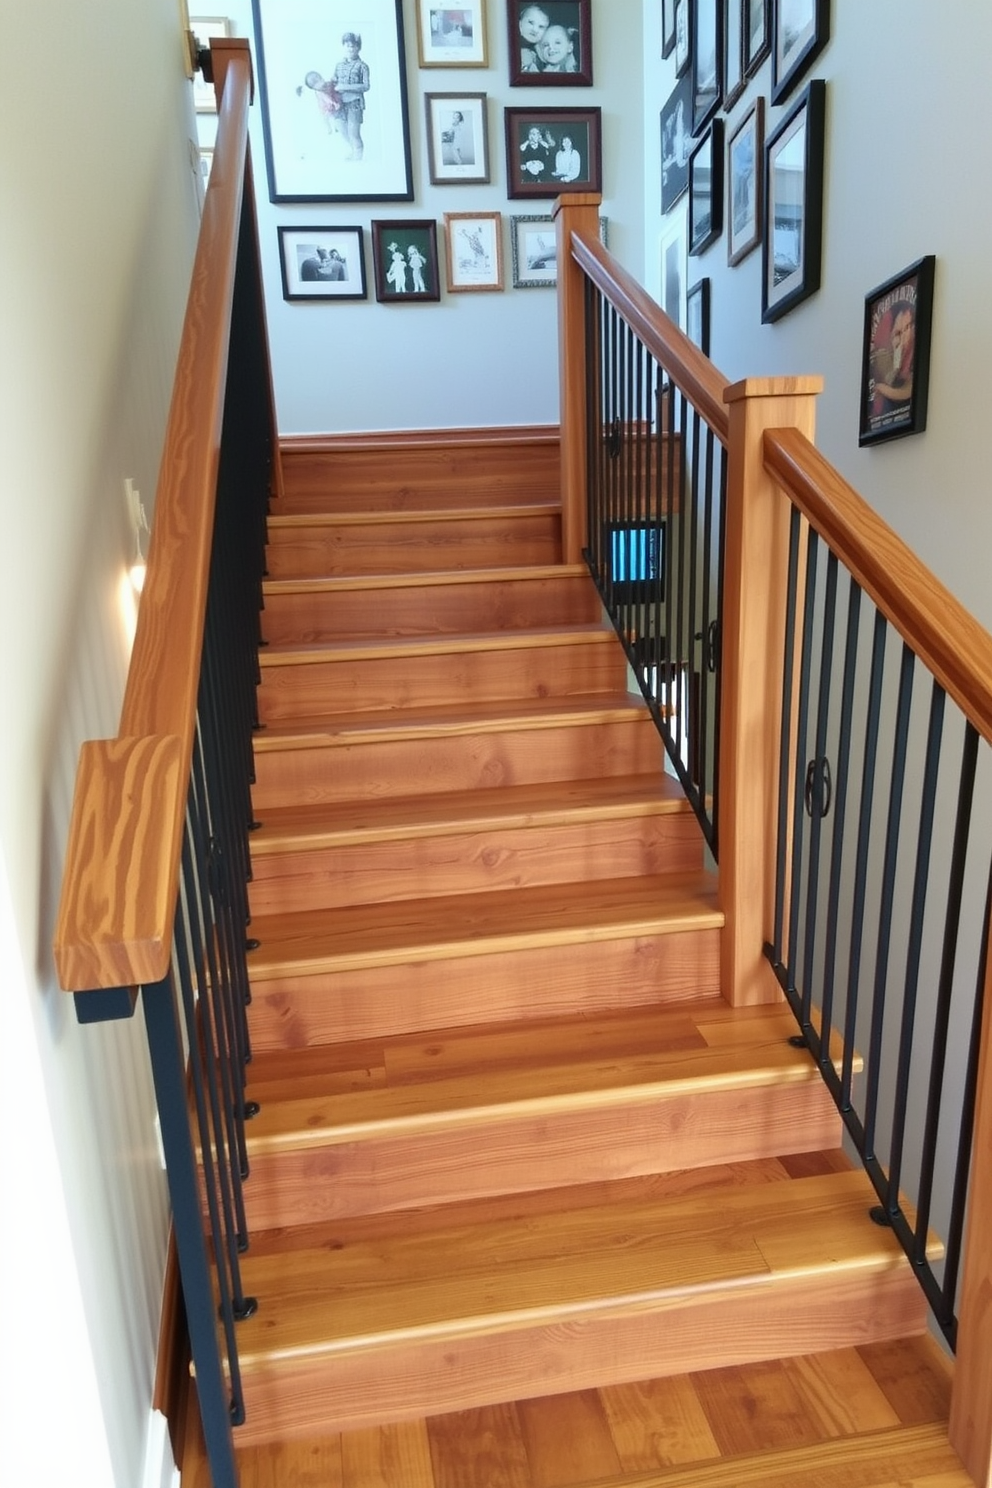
{"points": [[451, 35], [895, 364], [801, 30], [549, 151], [793, 225], [667, 27], [757, 34], [707, 60], [322, 263], [204, 28], [676, 142], [457, 137], [474, 251], [334, 104], [697, 315], [706, 189], [745, 183], [550, 44], [404, 256]]}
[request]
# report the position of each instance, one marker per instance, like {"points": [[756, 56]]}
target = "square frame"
{"points": [[534, 62], [204, 28], [412, 243], [319, 145], [537, 165], [706, 190], [791, 245], [796, 45], [473, 251], [707, 61], [894, 402], [757, 35], [322, 263], [697, 315], [452, 35], [667, 27], [734, 78], [746, 183], [676, 142], [457, 138], [672, 249]]}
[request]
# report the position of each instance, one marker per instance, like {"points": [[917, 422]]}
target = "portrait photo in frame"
{"points": [[800, 31], [451, 35], [706, 189], [895, 364], [793, 220], [322, 263], [550, 45], [404, 256], [745, 183], [474, 251], [757, 35], [204, 28], [551, 151], [676, 142], [457, 138], [707, 61], [673, 264], [697, 315], [334, 114]]}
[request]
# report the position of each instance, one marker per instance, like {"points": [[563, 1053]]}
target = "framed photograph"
{"points": [[334, 107], [683, 36], [404, 255], [533, 252], [457, 137], [667, 27], [757, 35], [204, 28], [706, 189], [322, 263], [793, 219], [206, 165], [550, 44], [473, 243], [707, 60], [697, 315], [673, 266], [800, 32], [676, 142], [549, 151], [745, 183], [451, 35], [733, 52], [895, 364]]}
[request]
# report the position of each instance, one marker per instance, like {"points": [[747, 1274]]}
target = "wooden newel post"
{"points": [[753, 626], [573, 212]]}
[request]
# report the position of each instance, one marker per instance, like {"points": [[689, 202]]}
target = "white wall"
{"points": [[96, 236]]}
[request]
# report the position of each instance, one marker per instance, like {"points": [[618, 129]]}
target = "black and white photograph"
{"points": [[745, 183], [706, 189], [800, 32], [757, 34], [451, 35], [404, 255], [697, 315], [733, 52], [549, 151], [457, 137], [474, 251], [707, 63], [673, 265], [322, 263], [667, 27], [683, 36], [533, 252], [676, 142], [332, 79], [550, 45], [793, 226]]}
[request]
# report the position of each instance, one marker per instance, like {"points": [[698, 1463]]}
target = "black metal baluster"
{"points": [[785, 763], [802, 727], [817, 805]]}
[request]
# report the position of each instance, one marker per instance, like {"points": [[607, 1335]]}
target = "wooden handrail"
{"points": [[693, 373], [936, 626], [114, 926]]}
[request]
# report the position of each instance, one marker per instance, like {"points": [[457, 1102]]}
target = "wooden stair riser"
{"points": [[298, 549], [425, 677], [448, 863]]}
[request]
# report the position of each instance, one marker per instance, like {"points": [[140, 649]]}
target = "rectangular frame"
{"points": [[533, 251], [414, 245], [559, 55], [635, 553], [457, 138], [706, 190], [897, 331], [799, 35], [322, 263], [746, 183], [676, 142], [473, 244], [452, 35], [319, 145], [672, 249], [757, 35], [540, 167], [733, 52], [707, 61], [204, 28], [697, 315], [793, 218], [683, 36], [667, 27]]}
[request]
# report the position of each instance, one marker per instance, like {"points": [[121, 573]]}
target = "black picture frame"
{"points": [[697, 315], [791, 245], [319, 146], [800, 31], [667, 27], [757, 35], [746, 183], [683, 36], [707, 61], [676, 142], [322, 263], [706, 190], [555, 52], [895, 361], [535, 147], [734, 79], [407, 240]]}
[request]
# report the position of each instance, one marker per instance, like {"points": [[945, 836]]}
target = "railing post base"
{"points": [[573, 212]]}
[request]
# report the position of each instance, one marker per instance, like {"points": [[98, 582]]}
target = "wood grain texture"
{"points": [[483, 1448], [567, 1437], [573, 212]]}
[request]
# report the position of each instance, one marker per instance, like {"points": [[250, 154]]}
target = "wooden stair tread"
{"points": [[411, 516], [476, 924], [344, 583], [394, 647], [611, 1259]]}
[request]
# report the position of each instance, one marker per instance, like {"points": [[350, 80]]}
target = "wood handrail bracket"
{"points": [[114, 925]]}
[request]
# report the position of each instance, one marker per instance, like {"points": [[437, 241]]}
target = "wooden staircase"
{"points": [[512, 1141]]}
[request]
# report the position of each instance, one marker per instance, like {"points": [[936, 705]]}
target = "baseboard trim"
{"points": [[419, 438]]}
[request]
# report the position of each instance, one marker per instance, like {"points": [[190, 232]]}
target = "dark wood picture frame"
{"points": [[548, 58], [676, 142], [706, 190], [397, 245], [707, 61], [757, 34], [457, 138], [795, 50], [683, 36], [791, 246], [322, 263], [535, 138], [746, 183], [667, 27], [895, 361], [697, 315], [734, 78]]}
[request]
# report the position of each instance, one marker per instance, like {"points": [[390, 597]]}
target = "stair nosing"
{"points": [[531, 638], [413, 516], [430, 578]]}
